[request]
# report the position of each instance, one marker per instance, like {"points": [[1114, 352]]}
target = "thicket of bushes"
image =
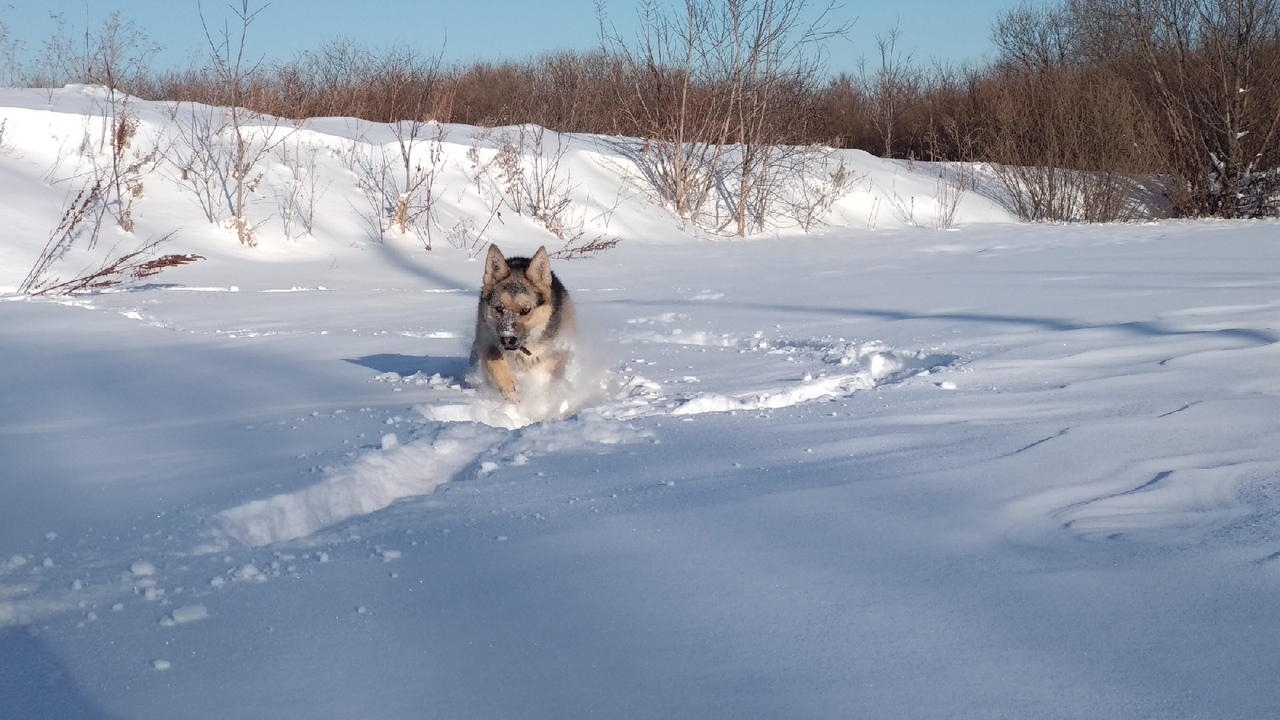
{"points": [[1090, 106]]}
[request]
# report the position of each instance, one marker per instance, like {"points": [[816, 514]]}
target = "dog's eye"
{"points": [[524, 311]]}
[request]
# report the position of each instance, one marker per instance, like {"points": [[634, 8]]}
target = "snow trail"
{"points": [[371, 483], [474, 430]]}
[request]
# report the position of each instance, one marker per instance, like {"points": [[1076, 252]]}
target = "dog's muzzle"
{"points": [[510, 342]]}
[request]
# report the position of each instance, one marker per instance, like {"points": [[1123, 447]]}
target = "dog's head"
{"points": [[516, 298]]}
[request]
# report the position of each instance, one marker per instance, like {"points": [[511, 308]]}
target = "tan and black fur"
{"points": [[525, 321]]}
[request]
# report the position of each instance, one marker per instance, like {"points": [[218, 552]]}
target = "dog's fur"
{"points": [[525, 321]]}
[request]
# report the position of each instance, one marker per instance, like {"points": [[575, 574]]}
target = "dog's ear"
{"points": [[495, 267], [539, 272]]}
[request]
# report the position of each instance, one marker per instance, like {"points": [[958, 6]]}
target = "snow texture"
{"points": [[879, 470]]}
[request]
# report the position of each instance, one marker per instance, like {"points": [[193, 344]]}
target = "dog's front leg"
{"points": [[556, 363], [500, 374]]}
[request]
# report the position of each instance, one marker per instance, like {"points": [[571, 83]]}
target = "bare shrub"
{"points": [[464, 235], [114, 56], [525, 173], [371, 165], [117, 269], [236, 77], [13, 65], [196, 155], [401, 189], [1204, 75], [1071, 140], [117, 55], [713, 76], [409, 88], [903, 206], [416, 202], [297, 204], [82, 219], [670, 99], [954, 180], [125, 166], [578, 248], [531, 175], [720, 92], [1213, 67], [820, 186]]}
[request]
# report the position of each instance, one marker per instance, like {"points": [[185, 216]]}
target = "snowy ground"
{"points": [[879, 471]]}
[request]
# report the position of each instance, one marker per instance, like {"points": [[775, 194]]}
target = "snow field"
{"points": [[788, 477]]}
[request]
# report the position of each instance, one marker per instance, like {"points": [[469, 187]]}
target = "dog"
{"points": [[524, 323]]}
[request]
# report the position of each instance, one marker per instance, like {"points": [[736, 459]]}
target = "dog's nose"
{"points": [[510, 343]]}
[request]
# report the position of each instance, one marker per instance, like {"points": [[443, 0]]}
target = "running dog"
{"points": [[525, 321]]}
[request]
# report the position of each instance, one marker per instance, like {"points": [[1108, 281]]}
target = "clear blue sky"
{"points": [[487, 29]]}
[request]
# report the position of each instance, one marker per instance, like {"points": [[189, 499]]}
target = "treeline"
{"points": [[1088, 104]]}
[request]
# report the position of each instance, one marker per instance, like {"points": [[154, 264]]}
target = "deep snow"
{"points": [[880, 470]]}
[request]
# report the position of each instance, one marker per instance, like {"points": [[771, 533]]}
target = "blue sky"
{"points": [[488, 29]]}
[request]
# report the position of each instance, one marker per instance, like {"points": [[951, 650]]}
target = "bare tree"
{"points": [[890, 88], [669, 97], [1214, 66], [774, 60], [703, 89], [410, 86], [235, 75], [1207, 73], [1036, 37]]}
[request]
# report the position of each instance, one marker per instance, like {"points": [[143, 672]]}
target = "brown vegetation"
{"points": [[1086, 101]]}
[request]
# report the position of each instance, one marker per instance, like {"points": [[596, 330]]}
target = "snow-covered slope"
{"points": [[876, 470]]}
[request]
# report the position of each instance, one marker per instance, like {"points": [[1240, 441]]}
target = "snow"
{"points": [[879, 470], [184, 615]]}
